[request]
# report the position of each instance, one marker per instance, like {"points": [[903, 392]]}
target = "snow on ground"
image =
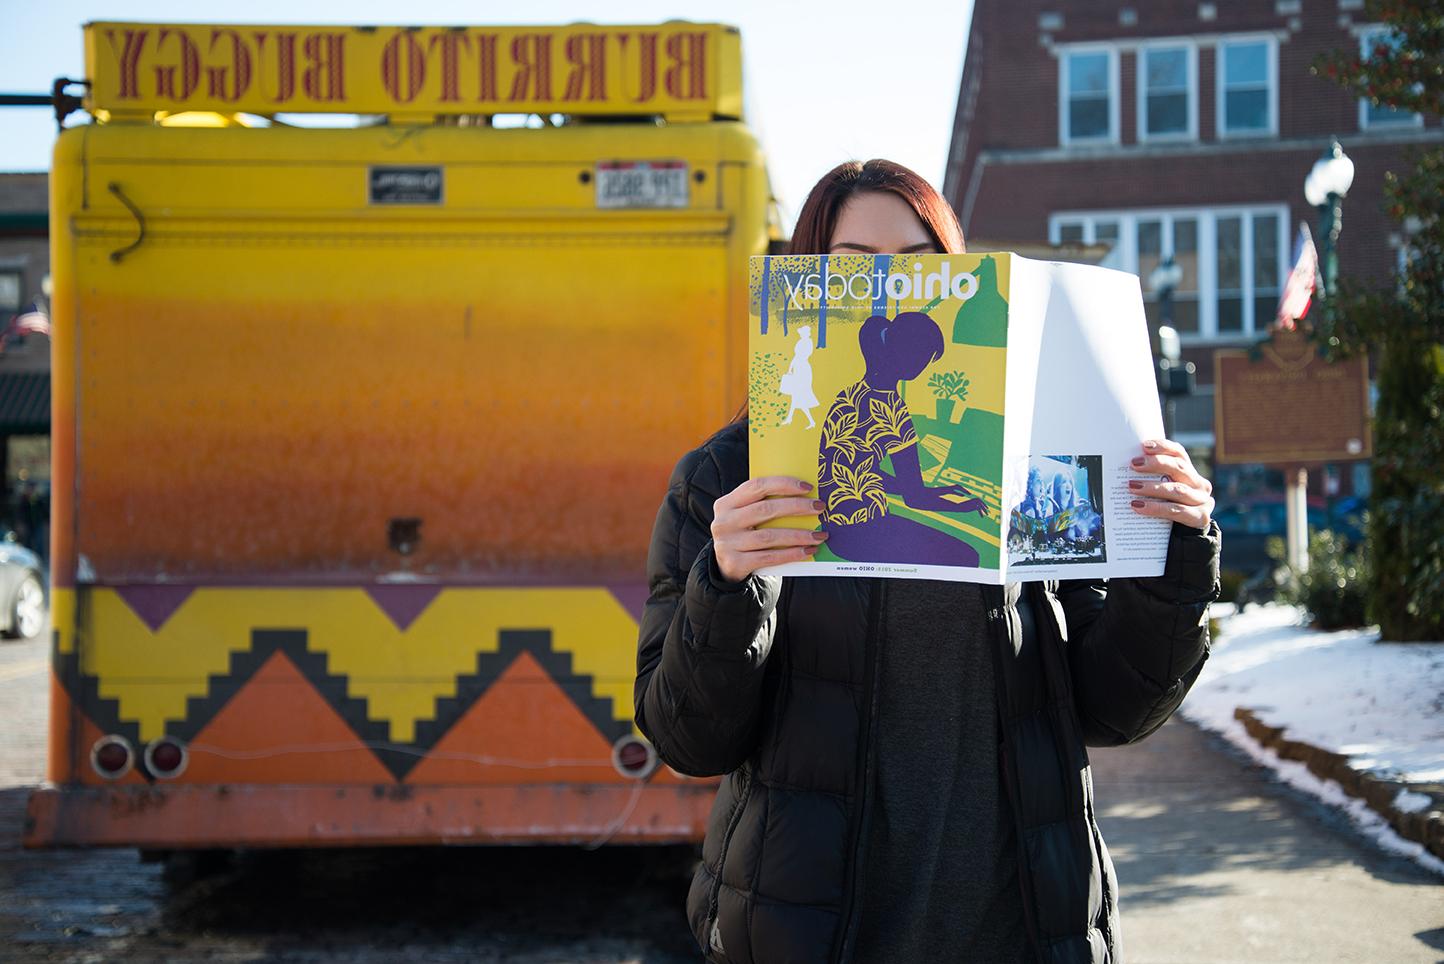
{"points": [[1379, 704]]}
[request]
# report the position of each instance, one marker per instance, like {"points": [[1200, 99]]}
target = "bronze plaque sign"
{"points": [[1283, 404]]}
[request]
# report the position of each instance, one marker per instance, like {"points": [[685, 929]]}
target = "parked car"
{"points": [[1247, 524], [24, 593]]}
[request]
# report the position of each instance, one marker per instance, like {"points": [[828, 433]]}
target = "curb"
{"points": [[1424, 827]]}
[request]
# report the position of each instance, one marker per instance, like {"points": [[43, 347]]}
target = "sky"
{"points": [[823, 83]]}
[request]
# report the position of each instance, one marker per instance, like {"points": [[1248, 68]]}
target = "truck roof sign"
{"points": [[683, 71]]}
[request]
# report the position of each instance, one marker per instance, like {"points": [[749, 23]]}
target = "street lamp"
{"points": [[1175, 376], [1325, 187], [1329, 180]]}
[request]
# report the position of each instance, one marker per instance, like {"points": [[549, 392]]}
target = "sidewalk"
{"points": [[1354, 722], [1218, 861]]}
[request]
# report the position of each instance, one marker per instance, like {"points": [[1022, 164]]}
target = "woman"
{"points": [[906, 778]]}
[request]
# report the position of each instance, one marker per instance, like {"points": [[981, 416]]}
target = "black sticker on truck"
{"points": [[404, 185]]}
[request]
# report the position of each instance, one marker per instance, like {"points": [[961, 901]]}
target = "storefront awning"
{"points": [[24, 403]]}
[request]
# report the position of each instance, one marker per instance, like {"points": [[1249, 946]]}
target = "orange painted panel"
{"points": [[278, 729], [496, 740]]}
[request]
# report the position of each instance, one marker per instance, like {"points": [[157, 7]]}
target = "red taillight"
{"points": [[633, 758], [166, 757], [112, 757]]}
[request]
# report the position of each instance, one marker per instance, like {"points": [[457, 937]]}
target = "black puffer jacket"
{"points": [[771, 682]]}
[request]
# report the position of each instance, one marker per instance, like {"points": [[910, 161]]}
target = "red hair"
{"points": [[818, 219]]}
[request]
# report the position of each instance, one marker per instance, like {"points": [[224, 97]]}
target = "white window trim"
{"points": [[1415, 121], [1115, 93], [1207, 293], [1271, 43], [1141, 91]]}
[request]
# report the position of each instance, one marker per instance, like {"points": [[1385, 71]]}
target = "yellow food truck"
{"points": [[359, 432]]}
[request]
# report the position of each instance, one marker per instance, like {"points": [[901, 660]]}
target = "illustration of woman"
{"points": [[798, 381], [1084, 521], [867, 423]]}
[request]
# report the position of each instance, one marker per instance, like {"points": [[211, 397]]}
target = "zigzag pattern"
{"points": [[84, 691], [489, 666], [398, 758]]}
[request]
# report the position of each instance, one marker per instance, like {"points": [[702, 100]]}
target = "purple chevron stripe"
{"points": [[154, 603]]}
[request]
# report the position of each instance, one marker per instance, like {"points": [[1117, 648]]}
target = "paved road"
{"points": [[1218, 863]]}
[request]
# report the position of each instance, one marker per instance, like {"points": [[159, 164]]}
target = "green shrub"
{"points": [[1335, 587]]}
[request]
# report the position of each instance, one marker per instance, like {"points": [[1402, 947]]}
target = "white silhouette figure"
{"points": [[798, 381]]}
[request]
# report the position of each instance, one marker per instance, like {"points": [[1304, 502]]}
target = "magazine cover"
{"points": [[963, 417], [881, 379]]}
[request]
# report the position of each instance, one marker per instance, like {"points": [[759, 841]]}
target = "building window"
{"points": [[1166, 104], [1247, 87], [1373, 115], [1088, 96], [1232, 261], [12, 285]]}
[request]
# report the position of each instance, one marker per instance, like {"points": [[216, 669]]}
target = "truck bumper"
{"points": [[185, 817]]}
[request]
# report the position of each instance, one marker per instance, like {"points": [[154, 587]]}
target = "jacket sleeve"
{"points": [[704, 642], [1136, 646]]}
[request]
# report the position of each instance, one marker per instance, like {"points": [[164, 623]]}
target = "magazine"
{"points": [[964, 417]]}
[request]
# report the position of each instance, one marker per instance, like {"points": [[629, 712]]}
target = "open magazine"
{"points": [[965, 417]]}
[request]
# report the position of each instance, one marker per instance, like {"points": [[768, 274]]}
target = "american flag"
{"points": [[32, 320], [1299, 288]]}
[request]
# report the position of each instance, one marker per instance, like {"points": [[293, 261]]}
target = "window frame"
{"points": [[18, 273], [1063, 52], [1140, 74], [1415, 121], [1220, 84], [1206, 219]]}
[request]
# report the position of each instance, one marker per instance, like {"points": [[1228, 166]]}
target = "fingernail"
{"points": [[1138, 503], [819, 536], [1135, 484], [1138, 461], [1150, 444], [810, 550], [804, 485], [818, 505]]}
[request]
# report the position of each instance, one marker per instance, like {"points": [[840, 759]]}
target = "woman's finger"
{"points": [[737, 566], [1190, 515], [759, 488], [1169, 465], [750, 540], [765, 511], [1172, 449], [1164, 446], [1181, 492]]}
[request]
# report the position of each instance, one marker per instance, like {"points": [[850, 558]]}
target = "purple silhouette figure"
{"points": [[867, 423]]}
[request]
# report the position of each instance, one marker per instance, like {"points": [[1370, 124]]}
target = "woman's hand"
{"points": [[1183, 496], [741, 547]]}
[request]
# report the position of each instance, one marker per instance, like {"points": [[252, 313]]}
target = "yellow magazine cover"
{"points": [[969, 417], [880, 379]]}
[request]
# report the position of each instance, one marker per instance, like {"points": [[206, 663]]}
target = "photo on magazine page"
{"points": [[880, 379], [1060, 517]]}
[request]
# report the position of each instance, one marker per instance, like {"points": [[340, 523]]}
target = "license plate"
{"points": [[642, 184]]}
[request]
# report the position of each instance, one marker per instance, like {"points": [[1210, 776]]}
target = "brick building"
{"points": [[1180, 128]]}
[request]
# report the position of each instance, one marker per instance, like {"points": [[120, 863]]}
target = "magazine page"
{"points": [[1095, 402], [881, 379]]}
